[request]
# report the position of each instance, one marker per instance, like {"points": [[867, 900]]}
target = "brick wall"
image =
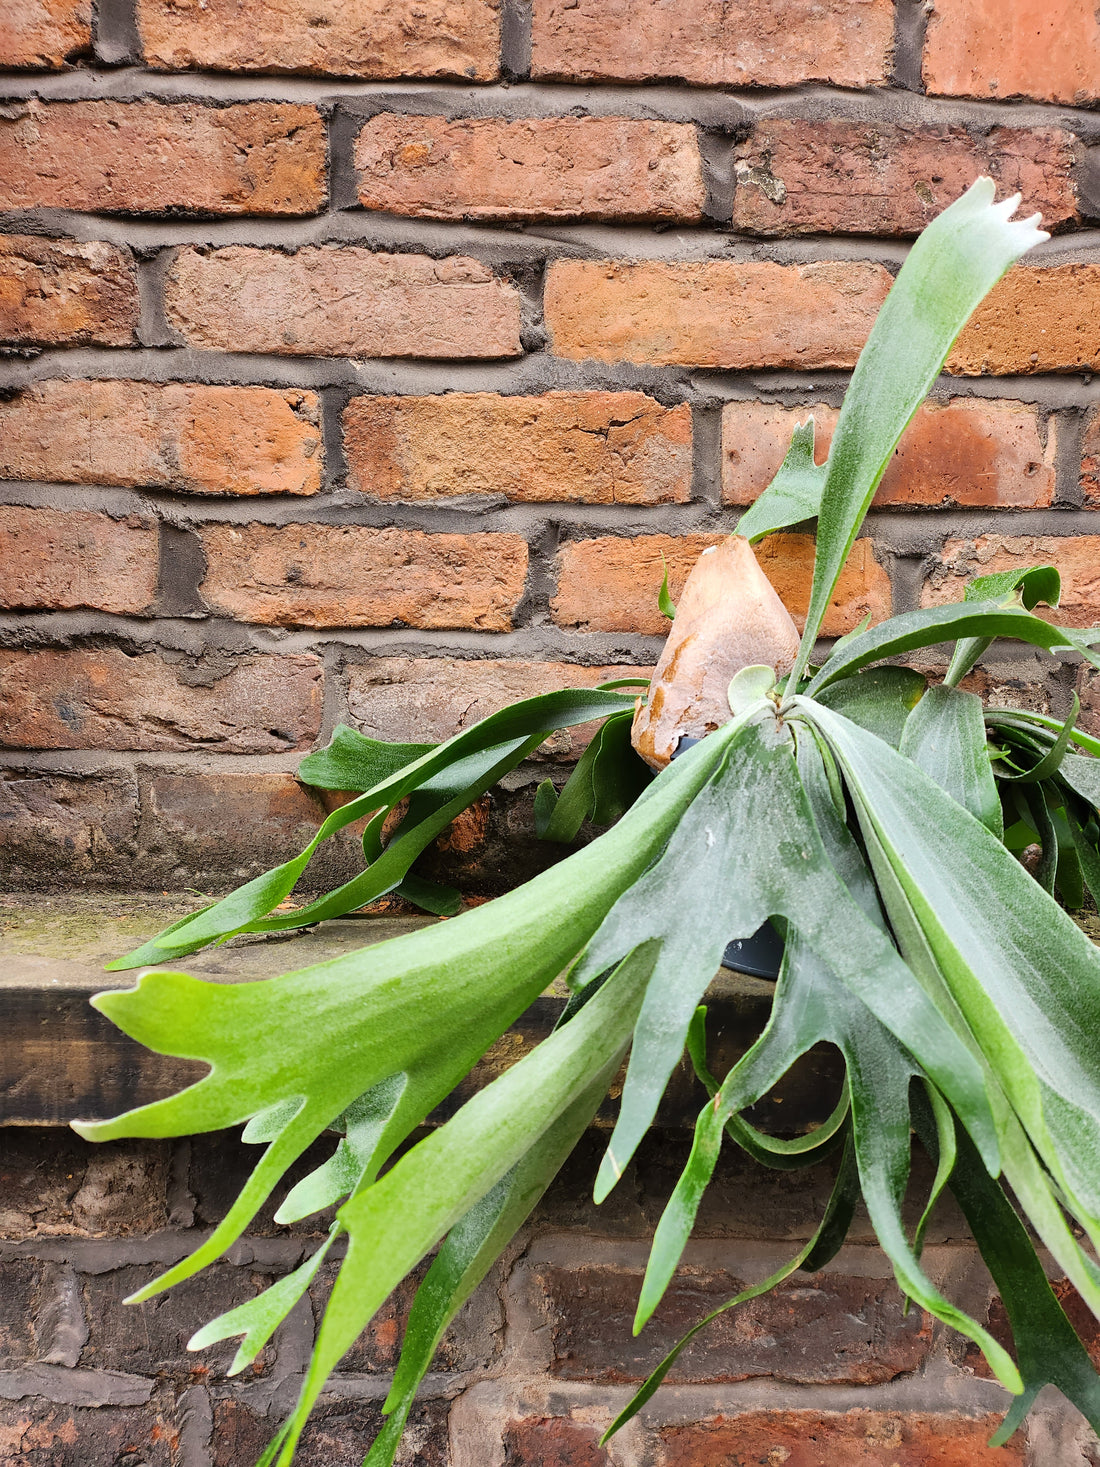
{"points": [[826, 1370], [361, 361]]}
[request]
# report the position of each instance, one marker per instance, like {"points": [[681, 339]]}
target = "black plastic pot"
{"points": [[759, 955]]}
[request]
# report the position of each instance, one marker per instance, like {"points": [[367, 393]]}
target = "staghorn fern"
{"points": [[874, 820]]}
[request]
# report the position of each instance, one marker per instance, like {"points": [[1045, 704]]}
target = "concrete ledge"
{"points": [[61, 1060]]}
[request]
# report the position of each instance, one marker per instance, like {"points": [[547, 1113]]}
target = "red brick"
{"points": [[561, 447], [45, 33], [53, 559], [66, 828], [1045, 49], [59, 291], [1076, 556], [37, 1433], [1090, 460], [181, 436], [972, 451], [540, 168], [1037, 319], [832, 1328], [610, 584], [152, 157], [713, 313], [837, 175], [416, 699], [855, 1438], [724, 43], [104, 699], [342, 301], [368, 38], [552, 1441], [332, 576]]}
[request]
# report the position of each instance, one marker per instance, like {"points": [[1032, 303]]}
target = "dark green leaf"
{"points": [[879, 700], [945, 736], [353, 762]]}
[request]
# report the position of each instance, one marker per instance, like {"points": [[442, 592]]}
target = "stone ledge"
{"points": [[62, 1060]]}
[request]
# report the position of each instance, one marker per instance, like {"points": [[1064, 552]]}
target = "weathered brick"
{"points": [[46, 33], [858, 1438], [586, 447], [182, 436], [970, 451], [37, 1433], [1045, 49], [19, 1287], [348, 575], [53, 1184], [55, 559], [105, 699], [342, 301], [540, 168], [1090, 460], [206, 829], [1088, 689], [368, 38], [151, 1338], [779, 43], [829, 1328], [1037, 319], [552, 1441], [413, 699], [64, 292], [713, 313], [1076, 556], [839, 175], [1078, 1312], [337, 1435], [67, 828], [152, 157], [611, 583]]}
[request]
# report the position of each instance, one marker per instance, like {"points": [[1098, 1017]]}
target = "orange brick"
{"points": [[725, 43], [1045, 49], [585, 447], [1090, 460], [342, 302], [713, 313], [610, 584], [104, 699], [53, 560], [858, 1438], [458, 39], [1037, 319], [149, 157], [46, 33], [350, 576], [1076, 556], [542, 168], [836, 175], [972, 451], [182, 436], [60, 291], [418, 699]]}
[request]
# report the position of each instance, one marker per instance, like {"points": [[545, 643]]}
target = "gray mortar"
{"points": [[115, 33], [910, 25], [515, 39]]}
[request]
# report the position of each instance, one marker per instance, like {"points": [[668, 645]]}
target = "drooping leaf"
{"points": [[351, 761], [314, 1041], [745, 850], [394, 1223], [1048, 1350], [1025, 977], [955, 262], [945, 736], [1028, 587], [793, 495]]}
